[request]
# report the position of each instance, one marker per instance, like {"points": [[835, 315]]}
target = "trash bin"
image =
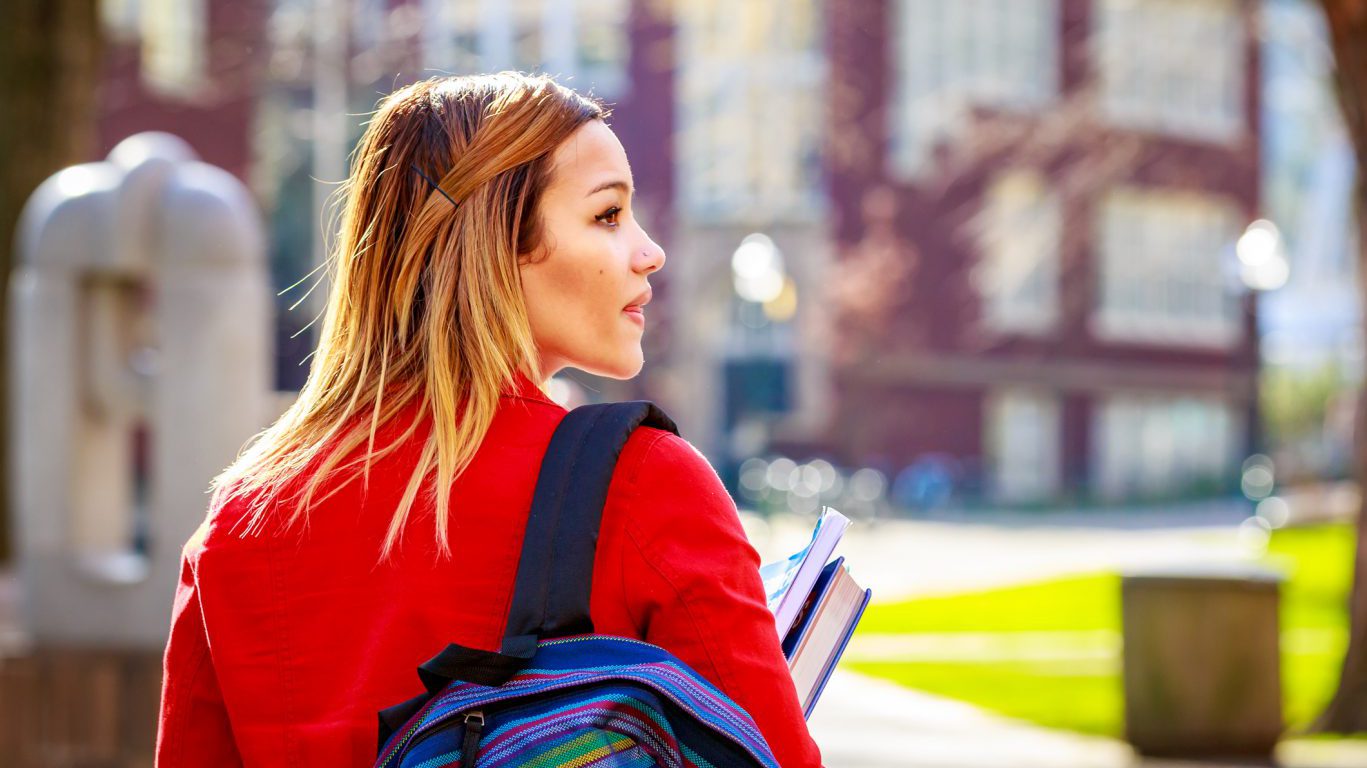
{"points": [[1202, 669]]}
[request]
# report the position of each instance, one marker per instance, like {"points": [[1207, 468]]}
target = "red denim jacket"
{"points": [[284, 646]]}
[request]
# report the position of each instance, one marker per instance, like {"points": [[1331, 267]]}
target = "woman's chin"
{"points": [[620, 367]]}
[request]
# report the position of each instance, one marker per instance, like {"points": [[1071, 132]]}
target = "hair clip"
{"points": [[433, 184]]}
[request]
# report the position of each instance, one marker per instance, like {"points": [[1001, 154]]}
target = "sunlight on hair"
{"points": [[425, 324]]}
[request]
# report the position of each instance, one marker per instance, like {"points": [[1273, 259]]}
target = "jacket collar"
{"points": [[522, 386]]}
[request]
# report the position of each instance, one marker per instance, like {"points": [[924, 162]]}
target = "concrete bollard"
{"points": [[1201, 662]]}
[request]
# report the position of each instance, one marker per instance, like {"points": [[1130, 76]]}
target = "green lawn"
{"points": [[1084, 693]]}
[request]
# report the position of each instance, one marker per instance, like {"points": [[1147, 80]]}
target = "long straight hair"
{"points": [[425, 305]]}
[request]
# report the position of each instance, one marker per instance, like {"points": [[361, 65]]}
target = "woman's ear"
{"points": [[534, 256]]}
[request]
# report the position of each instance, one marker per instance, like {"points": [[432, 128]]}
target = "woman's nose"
{"points": [[650, 257]]}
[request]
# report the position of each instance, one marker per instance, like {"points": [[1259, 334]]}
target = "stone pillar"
{"points": [[140, 348]]}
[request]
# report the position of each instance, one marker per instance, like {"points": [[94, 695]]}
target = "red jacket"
{"points": [[284, 647]]}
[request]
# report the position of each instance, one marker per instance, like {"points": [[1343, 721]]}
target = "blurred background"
{"points": [[1059, 300]]}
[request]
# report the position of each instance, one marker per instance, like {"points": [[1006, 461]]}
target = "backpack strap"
{"points": [[555, 572]]}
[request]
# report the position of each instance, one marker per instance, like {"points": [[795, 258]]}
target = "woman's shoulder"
{"points": [[227, 526], [656, 455], [666, 481]]}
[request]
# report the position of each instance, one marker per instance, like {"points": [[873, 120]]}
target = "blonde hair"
{"points": [[425, 304]]}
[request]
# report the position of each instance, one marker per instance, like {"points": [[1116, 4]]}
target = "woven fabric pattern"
{"points": [[591, 700]]}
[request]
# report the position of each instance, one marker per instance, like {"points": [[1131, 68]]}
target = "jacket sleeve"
{"points": [[193, 726], [692, 583]]}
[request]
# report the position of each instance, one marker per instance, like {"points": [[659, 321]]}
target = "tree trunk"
{"points": [[49, 72], [1347, 23]]}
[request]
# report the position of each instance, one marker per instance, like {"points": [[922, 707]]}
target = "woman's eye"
{"points": [[609, 216]]}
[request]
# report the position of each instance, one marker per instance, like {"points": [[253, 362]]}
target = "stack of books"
{"points": [[816, 606]]}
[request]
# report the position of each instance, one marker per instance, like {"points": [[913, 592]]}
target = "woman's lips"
{"points": [[637, 314]]}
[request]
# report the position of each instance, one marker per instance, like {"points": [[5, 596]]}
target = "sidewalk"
{"points": [[899, 559], [863, 722]]}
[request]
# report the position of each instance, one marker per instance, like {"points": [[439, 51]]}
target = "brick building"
{"points": [[1005, 227], [188, 67], [1062, 183]]}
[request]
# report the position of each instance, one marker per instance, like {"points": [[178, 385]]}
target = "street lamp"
{"points": [[1262, 257], [1263, 266], [755, 368], [759, 276], [757, 269]]}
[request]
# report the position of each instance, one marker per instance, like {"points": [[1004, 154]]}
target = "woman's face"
{"points": [[585, 282]]}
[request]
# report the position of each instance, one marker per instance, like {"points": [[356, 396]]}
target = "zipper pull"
{"points": [[474, 727]]}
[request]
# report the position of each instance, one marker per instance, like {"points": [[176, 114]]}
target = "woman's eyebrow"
{"points": [[614, 184]]}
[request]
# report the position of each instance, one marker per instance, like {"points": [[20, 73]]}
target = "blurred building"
{"points": [[188, 67], [987, 243], [1006, 232], [1062, 183], [998, 233]]}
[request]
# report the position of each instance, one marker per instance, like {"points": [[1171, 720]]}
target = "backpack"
{"points": [[556, 694]]}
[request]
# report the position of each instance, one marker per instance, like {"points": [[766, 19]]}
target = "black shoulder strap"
{"points": [[555, 572]]}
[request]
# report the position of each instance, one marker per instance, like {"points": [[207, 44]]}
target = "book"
{"points": [[803, 621], [788, 582], [818, 638], [816, 606]]}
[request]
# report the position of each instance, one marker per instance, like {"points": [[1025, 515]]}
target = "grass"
{"points": [[1084, 694], [1080, 603]]}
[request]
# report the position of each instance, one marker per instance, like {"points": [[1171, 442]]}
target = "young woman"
{"points": [[487, 242]]}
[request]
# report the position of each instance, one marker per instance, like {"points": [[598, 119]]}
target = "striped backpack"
{"points": [[556, 694]]}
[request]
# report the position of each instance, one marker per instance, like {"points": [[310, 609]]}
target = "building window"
{"points": [[951, 56], [1017, 275], [1164, 445], [175, 39], [1174, 66], [1164, 269], [1023, 444], [750, 107], [584, 44]]}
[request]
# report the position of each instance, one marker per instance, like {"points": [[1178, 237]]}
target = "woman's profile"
{"points": [[488, 241]]}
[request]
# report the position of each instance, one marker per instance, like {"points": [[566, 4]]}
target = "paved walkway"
{"points": [[901, 558], [863, 722]]}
